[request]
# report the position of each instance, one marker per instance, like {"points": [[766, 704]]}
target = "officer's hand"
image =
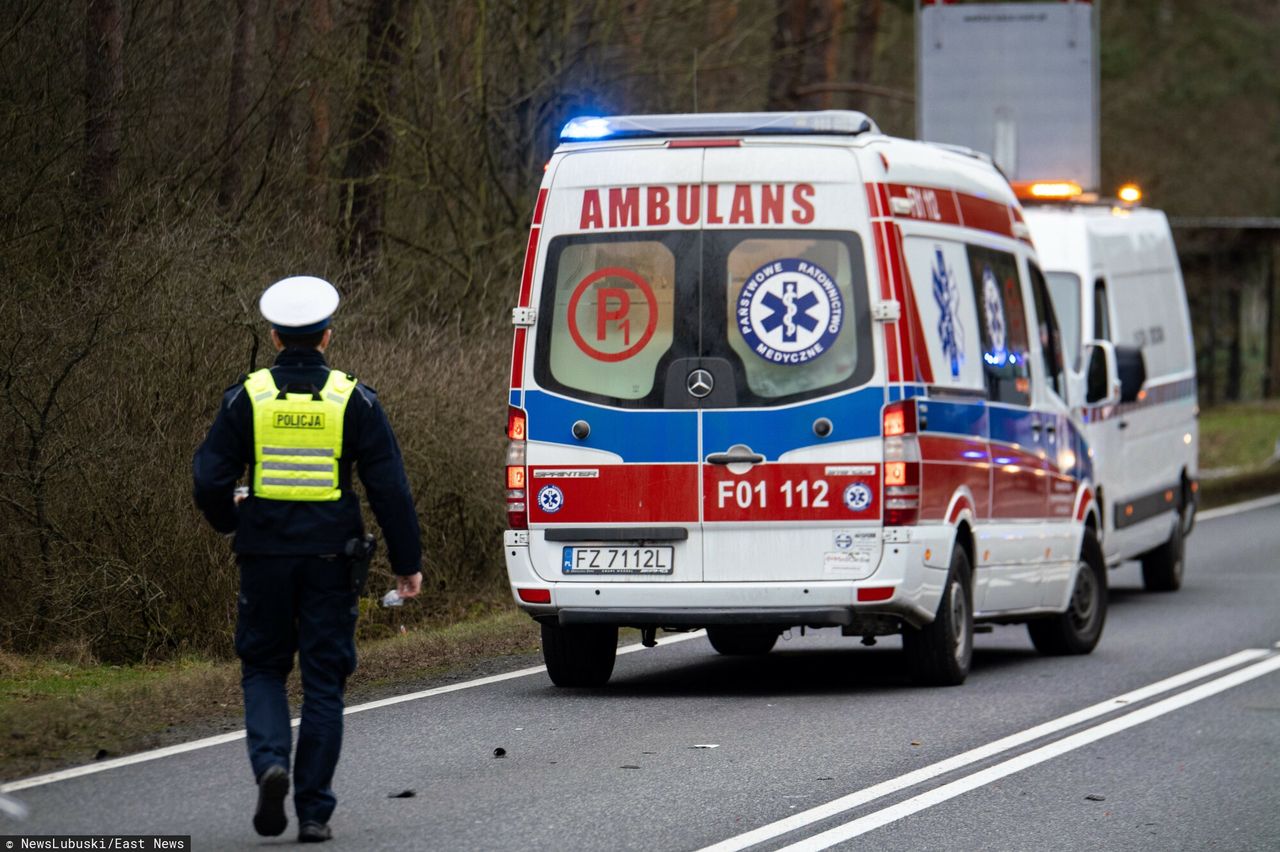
{"points": [[409, 586]]}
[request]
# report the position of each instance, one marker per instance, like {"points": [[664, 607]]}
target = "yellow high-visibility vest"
{"points": [[297, 438]]}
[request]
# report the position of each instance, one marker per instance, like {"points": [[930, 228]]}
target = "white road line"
{"points": [[959, 761], [880, 818], [1237, 508], [206, 742]]}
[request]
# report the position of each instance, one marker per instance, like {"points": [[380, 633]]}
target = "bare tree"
{"points": [[243, 46], [103, 86], [318, 100], [866, 26], [805, 52], [369, 143]]}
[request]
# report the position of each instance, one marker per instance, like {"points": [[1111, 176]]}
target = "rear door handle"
{"points": [[735, 458]]}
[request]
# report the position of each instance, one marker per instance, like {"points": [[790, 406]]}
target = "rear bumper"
{"points": [[710, 617], [909, 583]]}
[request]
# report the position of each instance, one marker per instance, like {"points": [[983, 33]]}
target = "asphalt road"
{"points": [[1192, 763]]}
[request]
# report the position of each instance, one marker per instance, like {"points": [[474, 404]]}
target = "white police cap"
{"points": [[299, 305]]}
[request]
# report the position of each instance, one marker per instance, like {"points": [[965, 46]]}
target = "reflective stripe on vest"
{"points": [[297, 438]]}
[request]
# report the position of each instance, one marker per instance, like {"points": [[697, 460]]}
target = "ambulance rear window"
{"points": [[789, 306], [777, 316], [613, 309]]}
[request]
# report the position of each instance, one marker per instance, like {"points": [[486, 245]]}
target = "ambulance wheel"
{"points": [[581, 655], [1077, 630], [1162, 567], [742, 641], [939, 653]]}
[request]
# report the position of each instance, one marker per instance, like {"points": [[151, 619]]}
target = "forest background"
{"points": [[163, 161]]}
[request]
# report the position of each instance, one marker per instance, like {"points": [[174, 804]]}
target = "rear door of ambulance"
{"points": [[612, 455], [704, 320], [791, 444]]}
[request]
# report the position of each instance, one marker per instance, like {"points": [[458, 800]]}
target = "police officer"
{"points": [[300, 427]]}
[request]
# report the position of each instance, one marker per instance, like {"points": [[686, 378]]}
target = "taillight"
{"points": [[901, 465], [517, 508]]}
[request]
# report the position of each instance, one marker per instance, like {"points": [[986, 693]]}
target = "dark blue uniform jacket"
{"points": [[283, 527]]}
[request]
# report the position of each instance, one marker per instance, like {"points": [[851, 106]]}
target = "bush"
{"points": [[111, 370]]}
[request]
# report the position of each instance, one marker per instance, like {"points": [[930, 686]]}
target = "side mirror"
{"points": [[1102, 379], [1132, 368]]}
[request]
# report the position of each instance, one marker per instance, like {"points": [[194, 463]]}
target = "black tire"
{"points": [[939, 653], [742, 641], [1077, 630], [581, 655], [1162, 567]]}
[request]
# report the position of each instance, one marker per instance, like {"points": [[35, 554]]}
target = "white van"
{"points": [[1114, 277], [776, 370]]}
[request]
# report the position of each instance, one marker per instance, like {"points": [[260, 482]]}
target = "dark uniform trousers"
{"points": [[304, 604]]}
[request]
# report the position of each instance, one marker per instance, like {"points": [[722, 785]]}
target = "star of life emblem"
{"points": [[993, 308], [789, 311], [947, 295], [857, 497], [550, 499]]}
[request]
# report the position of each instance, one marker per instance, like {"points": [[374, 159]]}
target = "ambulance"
{"points": [[1115, 283], [779, 370]]}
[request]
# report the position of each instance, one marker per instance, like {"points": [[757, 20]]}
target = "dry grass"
{"points": [[54, 713]]}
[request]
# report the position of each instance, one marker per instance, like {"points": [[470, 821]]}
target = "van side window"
{"points": [[1050, 337], [1064, 292], [1101, 316], [998, 291], [611, 302]]}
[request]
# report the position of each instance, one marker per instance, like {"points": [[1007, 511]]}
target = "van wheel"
{"points": [[939, 653], [1077, 630], [1162, 567], [742, 641], [581, 655]]}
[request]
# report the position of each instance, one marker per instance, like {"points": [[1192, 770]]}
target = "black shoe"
{"points": [[273, 785], [314, 832]]}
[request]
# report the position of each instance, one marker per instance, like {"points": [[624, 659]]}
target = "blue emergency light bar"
{"points": [[826, 122]]}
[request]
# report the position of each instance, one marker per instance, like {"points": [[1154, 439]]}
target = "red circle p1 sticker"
{"points": [[622, 319]]}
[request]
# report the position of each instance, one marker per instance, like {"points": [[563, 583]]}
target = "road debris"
{"points": [[403, 794], [706, 745], [499, 752], [1094, 797]]}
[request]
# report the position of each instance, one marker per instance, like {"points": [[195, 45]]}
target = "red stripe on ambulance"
{"points": [[917, 348], [951, 464], [984, 215], [526, 290], [517, 359], [617, 493], [892, 353], [791, 492], [912, 361]]}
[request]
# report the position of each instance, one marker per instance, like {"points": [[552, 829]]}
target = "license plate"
{"points": [[618, 560]]}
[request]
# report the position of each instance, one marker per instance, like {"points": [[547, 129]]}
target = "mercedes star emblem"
{"points": [[700, 383]]}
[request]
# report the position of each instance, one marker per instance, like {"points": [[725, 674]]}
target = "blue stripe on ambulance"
{"points": [[774, 431], [1012, 425], [966, 419], [637, 436]]}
